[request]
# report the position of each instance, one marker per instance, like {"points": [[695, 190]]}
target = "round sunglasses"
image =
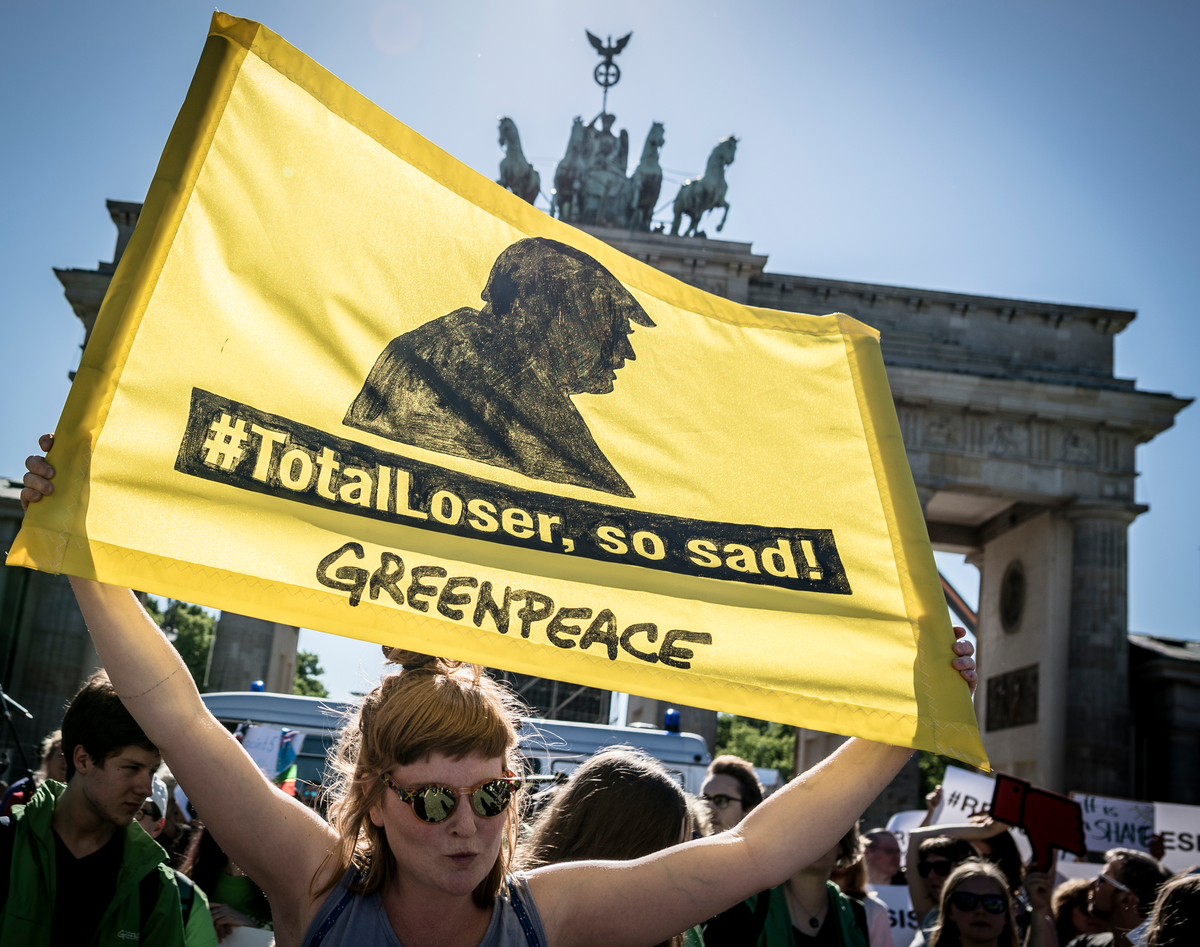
{"points": [[434, 804], [966, 901]]}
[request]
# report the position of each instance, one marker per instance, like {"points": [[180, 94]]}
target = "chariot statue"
{"points": [[591, 182]]}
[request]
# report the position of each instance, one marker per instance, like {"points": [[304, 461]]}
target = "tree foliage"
{"points": [[308, 670], [765, 744], [191, 629], [933, 771]]}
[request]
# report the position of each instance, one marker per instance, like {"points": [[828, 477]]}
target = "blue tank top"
{"points": [[355, 920]]}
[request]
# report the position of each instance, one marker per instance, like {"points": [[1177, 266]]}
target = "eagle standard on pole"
{"points": [[607, 73]]}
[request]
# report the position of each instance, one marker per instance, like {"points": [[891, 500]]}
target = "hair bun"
{"points": [[409, 660]]}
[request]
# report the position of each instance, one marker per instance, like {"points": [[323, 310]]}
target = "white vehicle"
{"points": [[550, 746]]}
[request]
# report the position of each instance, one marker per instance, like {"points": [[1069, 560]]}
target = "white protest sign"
{"points": [[1115, 823], [1066, 870], [262, 743], [905, 922], [964, 794], [901, 824], [1179, 827]]}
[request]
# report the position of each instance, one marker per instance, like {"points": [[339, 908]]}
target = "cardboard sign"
{"points": [[964, 794], [272, 749], [900, 825], [343, 381], [904, 920], [1179, 827], [1049, 819], [262, 743], [1115, 823]]}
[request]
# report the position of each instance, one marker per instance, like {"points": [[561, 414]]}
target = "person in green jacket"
{"points": [[78, 871]]}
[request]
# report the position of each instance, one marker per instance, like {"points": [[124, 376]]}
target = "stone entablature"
{"points": [[959, 332], [721, 267], [1030, 441]]}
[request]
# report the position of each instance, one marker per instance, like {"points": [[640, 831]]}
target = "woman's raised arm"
{"points": [[654, 898], [270, 836]]}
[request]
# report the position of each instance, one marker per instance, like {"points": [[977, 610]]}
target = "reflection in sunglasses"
{"points": [[434, 804]]}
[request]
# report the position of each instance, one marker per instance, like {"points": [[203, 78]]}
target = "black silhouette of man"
{"points": [[494, 385]]}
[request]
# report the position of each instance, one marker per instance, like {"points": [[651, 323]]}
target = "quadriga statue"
{"points": [[697, 197], [590, 186], [517, 174]]}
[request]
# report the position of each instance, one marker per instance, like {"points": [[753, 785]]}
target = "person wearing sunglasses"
{"points": [[976, 909], [931, 858], [1122, 895], [423, 857]]}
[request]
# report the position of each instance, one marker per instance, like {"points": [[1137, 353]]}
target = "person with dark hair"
{"points": [[74, 868], [1122, 896], [494, 385], [1070, 909], [807, 910], [731, 790], [1001, 850], [53, 766], [619, 805], [1175, 918], [931, 858], [976, 909]]}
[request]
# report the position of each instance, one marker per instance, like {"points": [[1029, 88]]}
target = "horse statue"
{"points": [[697, 197], [647, 181], [568, 175], [517, 174]]}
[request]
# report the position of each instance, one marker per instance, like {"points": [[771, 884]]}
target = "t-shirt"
{"points": [[1092, 940], [83, 889], [825, 936]]}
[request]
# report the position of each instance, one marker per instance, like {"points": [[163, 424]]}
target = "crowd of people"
{"points": [[432, 838]]}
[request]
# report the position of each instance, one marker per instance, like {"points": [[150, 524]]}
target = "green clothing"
{"points": [[693, 937], [241, 894], [200, 931], [777, 931], [28, 913]]}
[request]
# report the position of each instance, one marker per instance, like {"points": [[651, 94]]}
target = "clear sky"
{"points": [[1043, 150]]}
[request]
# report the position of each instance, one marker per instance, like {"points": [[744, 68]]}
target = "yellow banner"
{"points": [[342, 381]]}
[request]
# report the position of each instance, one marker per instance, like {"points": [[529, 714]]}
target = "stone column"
{"points": [[1098, 737]]}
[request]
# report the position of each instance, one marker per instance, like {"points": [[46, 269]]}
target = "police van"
{"points": [[550, 747]]}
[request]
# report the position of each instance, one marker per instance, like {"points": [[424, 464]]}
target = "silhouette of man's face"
{"points": [[589, 362], [571, 311]]}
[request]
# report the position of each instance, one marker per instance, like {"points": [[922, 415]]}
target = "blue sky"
{"points": [[1042, 150]]}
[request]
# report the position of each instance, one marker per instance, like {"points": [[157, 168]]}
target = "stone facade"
{"points": [[249, 649]]}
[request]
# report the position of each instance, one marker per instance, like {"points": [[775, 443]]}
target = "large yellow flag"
{"points": [[342, 381]]}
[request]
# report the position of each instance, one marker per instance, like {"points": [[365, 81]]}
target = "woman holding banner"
{"points": [[423, 823]]}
